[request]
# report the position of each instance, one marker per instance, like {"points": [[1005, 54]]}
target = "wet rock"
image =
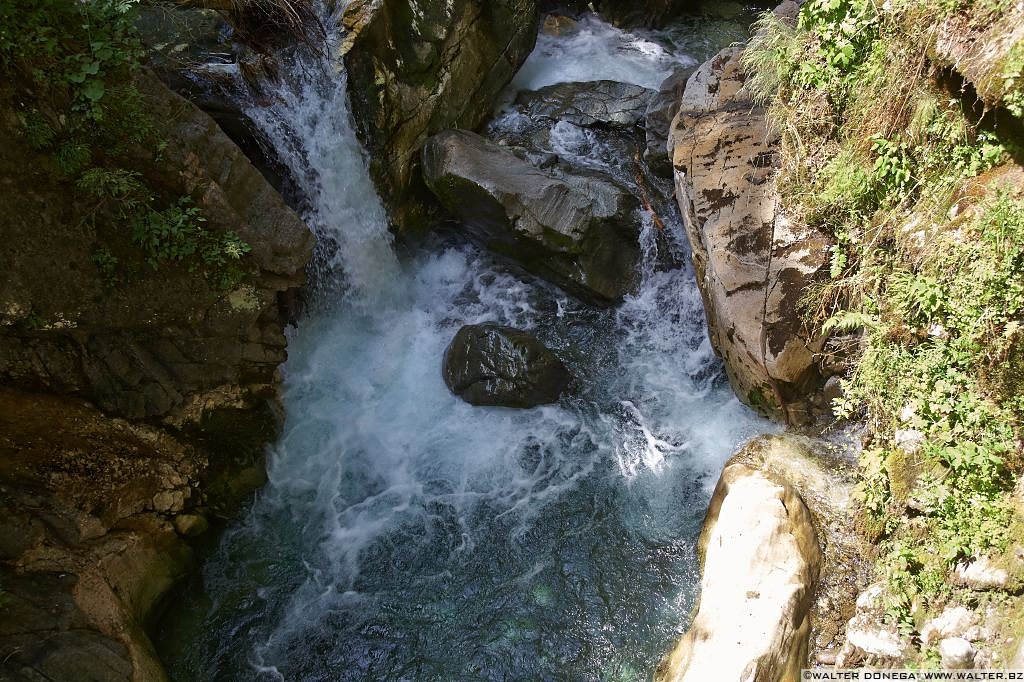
{"points": [[752, 263], [416, 67], [96, 556], [832, 391], [45, 636], [957, 653], [761, 560], [608, 103], [489, 364], [658, 119], [653, 13], [190, 525], [558, 25], [578, 230]]}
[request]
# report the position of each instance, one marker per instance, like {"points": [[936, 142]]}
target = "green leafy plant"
{"points": [[926, 274], [107, 265], [178, 233], [68, 70]]}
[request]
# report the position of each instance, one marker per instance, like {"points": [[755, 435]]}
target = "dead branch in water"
{"points": [[645, 200]]}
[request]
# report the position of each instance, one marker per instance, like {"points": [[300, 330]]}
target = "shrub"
{"points": [[68, 69], [927, 267]]}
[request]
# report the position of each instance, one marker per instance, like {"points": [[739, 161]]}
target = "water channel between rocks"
{"points": [[406, 535]]}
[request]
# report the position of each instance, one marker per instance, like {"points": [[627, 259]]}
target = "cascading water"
{"points": [[405, 535]]}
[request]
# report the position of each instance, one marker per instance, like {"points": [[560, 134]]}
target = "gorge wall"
{"points": [[137, 400], [417, 67]]}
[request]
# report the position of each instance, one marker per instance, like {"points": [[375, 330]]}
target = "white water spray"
{"points": [[407, 535]]}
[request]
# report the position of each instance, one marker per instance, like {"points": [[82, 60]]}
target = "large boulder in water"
{"points": [[416, 67], [609, 103], [653, 13], [761, 562], [488, 364], [576, 229], [753, 264]]}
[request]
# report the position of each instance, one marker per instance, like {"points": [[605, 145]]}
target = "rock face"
{"points": [[587, 104], [761, 560], [167, 343], [489, 364], [416, 67], [983, 53], [661, 112], [578, 230], [752, 264], [182, 373], [87, 546]]}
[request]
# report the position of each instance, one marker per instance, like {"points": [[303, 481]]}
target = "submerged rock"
{"points": [[488, 364], [752, 263], [577, 229], [761, 561]]}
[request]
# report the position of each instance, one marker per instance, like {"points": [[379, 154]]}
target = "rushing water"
{"points": [[406, 535]]}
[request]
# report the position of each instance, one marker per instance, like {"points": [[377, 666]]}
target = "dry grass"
{"points": [[264, 24]]}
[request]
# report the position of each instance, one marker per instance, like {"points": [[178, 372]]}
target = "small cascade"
{"points": [[407, 535]]}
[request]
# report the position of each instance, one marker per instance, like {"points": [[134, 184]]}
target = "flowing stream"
{"points": [[406, 535]]}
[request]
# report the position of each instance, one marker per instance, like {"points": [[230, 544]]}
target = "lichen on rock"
{"points": [[752, 263]]}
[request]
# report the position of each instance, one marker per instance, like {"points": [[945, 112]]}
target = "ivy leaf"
{"points": [[93, 90]]}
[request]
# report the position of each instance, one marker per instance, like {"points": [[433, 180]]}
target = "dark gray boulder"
{"points": [[488, 364], [586, 104], [576, 229], [658, 118]]}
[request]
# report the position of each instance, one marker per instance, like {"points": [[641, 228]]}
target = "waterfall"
{"points": [[404, 534], [308, 124]]}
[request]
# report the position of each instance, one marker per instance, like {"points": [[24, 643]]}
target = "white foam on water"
{"points": [[595, 50], [405, 534]]}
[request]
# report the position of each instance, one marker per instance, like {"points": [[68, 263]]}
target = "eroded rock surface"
{"points": [[577, 229], [753, 265], [638, 12], [661, 112], [87, 544], [588, 104], [488, 364], [416, 67], [761, 560], [92, 501], [160, 344]]}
